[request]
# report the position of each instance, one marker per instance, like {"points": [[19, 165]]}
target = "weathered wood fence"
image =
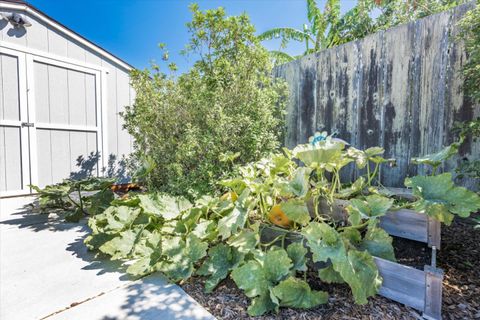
{"points": [[400, 89]]}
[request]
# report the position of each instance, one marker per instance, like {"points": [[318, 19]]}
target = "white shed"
{"points": [[60, 98]]}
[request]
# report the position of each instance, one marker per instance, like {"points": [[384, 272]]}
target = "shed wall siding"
{"points": [[76, 106]]}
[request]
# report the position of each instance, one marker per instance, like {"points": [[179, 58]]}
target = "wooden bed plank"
{"points": [[433, 293], [402, 283], [407, 224]]}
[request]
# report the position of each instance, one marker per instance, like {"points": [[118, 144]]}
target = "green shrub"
{"points": [[470, 35], [227, 106]]}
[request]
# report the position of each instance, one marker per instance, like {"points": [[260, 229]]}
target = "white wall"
{"points": [[44, 38]]}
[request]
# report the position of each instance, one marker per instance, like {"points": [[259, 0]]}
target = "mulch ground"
{"points": [[459, 257]]}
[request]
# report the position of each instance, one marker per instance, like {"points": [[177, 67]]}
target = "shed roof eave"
{"points": [[28, 8]]}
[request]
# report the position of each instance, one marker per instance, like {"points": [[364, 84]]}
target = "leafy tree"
{"points": [[227, 107]]}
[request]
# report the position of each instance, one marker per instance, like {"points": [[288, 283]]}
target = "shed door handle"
{"points": [[27, 124]]}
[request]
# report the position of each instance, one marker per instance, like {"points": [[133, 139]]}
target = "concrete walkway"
{"points": [[47, 273]]}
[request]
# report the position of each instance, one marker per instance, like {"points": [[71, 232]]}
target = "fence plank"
{"points": [[292, 72], [307, 103], [399, 89], [397, 116], [433, 42]]}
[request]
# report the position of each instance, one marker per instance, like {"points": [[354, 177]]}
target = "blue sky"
{"points": [[132, 29]]}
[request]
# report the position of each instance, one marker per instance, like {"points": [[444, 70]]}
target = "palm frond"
{"points": [[312, 11], [284, 33], [280, 57], [332, 11], [314, 15]]}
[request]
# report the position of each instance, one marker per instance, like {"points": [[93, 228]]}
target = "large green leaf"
{"points": [[205, 229], [436, 159], [360, 157], [95, 240], [378, 242], [329, 275], [245, 241], [262, 304], [74, 215], [361, 274], [257, 278], [190, 219], [121, 246], [93, 183], [298, 254], [300, 182], [221, 260], [230, 224], [462, 201], [325, 155], [115, 219], [165, 206], [374, 154], [352, 234], [296, 210], [195, 249], [355, 188], [251, 278], [146, 264], [148, 242], [357, 268], [373, 206], [324, 242], [284, 33], [276, 265], [440, 199], [296, 293], [100, 201], [181, 255], [280, 57], [236, 218]]}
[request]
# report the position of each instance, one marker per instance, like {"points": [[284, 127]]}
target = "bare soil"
{"points": [[459, 257]]}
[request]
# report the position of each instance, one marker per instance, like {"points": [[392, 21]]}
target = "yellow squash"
{"points": [[278, 217], [231, 195]]}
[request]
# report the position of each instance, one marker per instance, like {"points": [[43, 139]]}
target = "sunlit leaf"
{"points": [[440, 199], [296, 210], [221, 260], [295, 293]]}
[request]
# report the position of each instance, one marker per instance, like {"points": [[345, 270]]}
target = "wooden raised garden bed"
{"points": [[419, 289]]}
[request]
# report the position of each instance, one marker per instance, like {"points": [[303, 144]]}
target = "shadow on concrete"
{"points": [[95, 260], [153, 297], [30, 215], [31, 219]]}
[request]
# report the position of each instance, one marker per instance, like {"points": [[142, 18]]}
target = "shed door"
{"points": [[14, 162], [64, 101]]}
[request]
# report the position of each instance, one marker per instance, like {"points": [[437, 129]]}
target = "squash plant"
{"points": [[231, 235], [76, 198]]}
